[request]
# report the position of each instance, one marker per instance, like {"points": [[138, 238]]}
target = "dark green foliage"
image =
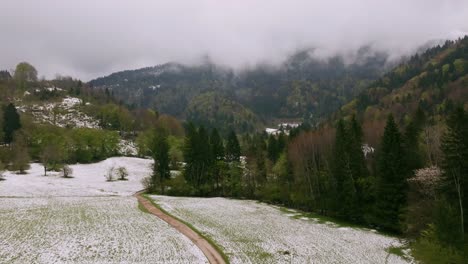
{"points": [[199, 158], [413, 132], [11, 122], [217, 147], [160, 154], [350, 172], [212, 109], [272, 149], [233, 150], [345, 182], [454, 185], [392, 174], [217, 152]]}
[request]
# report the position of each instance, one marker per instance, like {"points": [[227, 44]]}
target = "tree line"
{"points": [[325, 170]]}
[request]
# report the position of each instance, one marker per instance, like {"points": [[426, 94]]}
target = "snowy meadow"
{"points": [[85, 219], [253, 232]]}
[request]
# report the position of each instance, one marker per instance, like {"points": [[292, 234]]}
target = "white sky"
{"points": [[91, 38]]}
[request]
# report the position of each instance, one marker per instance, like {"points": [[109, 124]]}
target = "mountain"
{"points": [[303, 86], [435, 80]]}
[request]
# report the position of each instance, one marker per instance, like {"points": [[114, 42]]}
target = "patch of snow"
{"points": [[366, 149], [127, 148], [272, 131]]}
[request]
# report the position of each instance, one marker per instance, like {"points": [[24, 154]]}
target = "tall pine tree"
{"points": [[454, 186], [359, 169], [392, 174], [233, 151], [345, 186], [160, 153]]}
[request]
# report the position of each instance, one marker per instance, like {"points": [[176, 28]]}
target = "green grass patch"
{"points": [[207, 238], [430, 251], [142, 208], [321, 219], [400, 251]]}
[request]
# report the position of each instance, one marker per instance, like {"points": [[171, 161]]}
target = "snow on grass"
{"points": [[252, 232], [127, 148], [88, 180], [50, 219], [63, 114], [88, 230]]}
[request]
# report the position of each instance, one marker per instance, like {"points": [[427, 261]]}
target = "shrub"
{"points": [[428, 249], [110, 174], [146, 182], [2, 170], [122, 173], [67, 171]]}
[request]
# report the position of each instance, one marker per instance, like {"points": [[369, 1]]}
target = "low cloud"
{"points": [[89, 38]]}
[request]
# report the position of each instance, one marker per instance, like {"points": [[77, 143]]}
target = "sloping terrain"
{"points": [[435, 81], [252, 232]]}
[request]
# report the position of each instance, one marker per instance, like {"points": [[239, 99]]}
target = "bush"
{"points": [[146, 182], [2, 170], [110, 174], [67, 171], [428, 249], [122, 173], [178, 186]]}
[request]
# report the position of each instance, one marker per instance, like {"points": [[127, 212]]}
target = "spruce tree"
{"points": [[342, 171], [217, 151], [391, 180], [160, 151], [454, 184], [358, 168], [413, 130], [217, 147], [233, 151], [272, 148], [11, 123]]}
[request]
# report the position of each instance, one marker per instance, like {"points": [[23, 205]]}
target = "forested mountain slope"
{"points": [[435, 80], [303, 86]]}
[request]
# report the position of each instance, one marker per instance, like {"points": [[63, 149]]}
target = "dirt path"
{"points": [[214, 257]]}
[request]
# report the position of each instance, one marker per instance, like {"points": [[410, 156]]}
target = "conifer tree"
{"points": [[391, 180], [411, 141], [272, 148], [358, 168], [160, 151], [217, 151], [454, 185], [345, 186], [217, 147], [11, 122], [233, 151]]}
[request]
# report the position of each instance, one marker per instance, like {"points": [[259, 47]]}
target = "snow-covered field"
{"points": [[88, 180], [49, 219], [85, 219], [252, 232]]}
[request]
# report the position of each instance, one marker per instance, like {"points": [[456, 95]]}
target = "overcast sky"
{"points": [[91, 38]]}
